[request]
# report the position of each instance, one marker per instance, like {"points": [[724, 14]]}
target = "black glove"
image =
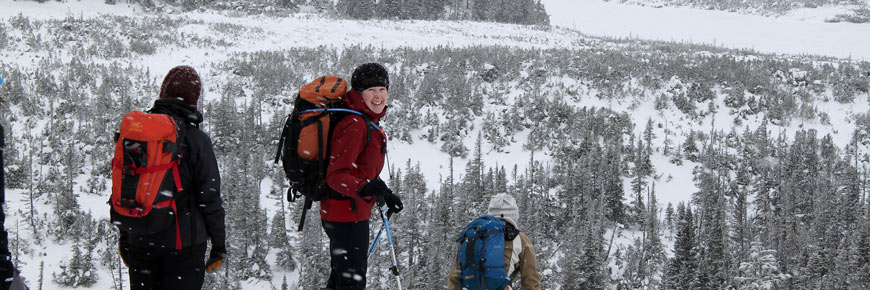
{"points": [[377, 189], [394, 203], [217, 256]]}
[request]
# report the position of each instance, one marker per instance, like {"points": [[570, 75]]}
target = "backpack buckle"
{"points": [[129, 203], [170, 147]]}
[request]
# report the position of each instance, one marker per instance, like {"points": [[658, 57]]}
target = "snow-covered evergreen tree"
{"points": [[80, 271], [681, 269], [280, 241], [761, 270]]}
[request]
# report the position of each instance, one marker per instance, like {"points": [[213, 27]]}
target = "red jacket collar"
{"points": [[355, 102]]}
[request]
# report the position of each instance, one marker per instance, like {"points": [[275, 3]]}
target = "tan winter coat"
{"points": [[524, 260]]}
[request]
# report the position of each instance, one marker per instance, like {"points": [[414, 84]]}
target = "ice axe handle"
{"points": [[304, 212]]}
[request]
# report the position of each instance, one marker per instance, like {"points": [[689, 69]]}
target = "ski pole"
{"points": [[378, 238], [375, 244], [395, 268]]}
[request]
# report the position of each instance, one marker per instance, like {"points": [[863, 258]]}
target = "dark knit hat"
{"points": [[369, 75], [182, 82]]}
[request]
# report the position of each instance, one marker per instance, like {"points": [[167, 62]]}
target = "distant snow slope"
{"points": [[789, 34]]}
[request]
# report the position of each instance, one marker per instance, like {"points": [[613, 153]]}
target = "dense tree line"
{"points": [[771, 209], [505, 11], [529, 12]]}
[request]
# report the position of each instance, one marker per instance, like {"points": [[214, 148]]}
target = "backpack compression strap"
{"points": [[171, 203]]}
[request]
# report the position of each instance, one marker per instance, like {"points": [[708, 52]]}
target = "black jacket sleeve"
{"points": [[207, 178]]}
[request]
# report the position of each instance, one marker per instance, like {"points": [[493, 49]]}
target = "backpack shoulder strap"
{"points": [[180, 134]]}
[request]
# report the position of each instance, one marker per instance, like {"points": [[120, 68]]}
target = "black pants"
{"points": [[348, 251], [169, 269]]}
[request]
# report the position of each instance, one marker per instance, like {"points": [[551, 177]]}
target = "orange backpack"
{"points": [[304, 142], [145, 175]]}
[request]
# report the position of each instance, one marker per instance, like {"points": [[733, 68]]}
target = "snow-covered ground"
{"points": [[802, 31]]}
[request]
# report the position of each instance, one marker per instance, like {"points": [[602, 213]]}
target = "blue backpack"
{"points": [[481, 255]]}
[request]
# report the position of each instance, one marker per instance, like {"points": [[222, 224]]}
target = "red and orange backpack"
{"points": [[145, 178]]}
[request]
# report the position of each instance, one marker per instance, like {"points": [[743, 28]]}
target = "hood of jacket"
{"points": [[177, 108], [355, 102]]}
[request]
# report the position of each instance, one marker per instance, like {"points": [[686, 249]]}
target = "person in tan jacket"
{"points": [[522, 261]]}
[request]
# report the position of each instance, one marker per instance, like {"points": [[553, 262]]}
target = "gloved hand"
{"points": [[394, 203], [215, 259], [377, 189]]}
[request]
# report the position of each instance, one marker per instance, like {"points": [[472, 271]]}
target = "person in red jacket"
{"points": [[356, 161]]}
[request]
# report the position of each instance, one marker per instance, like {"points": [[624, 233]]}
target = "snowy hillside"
{"points": [[561, 119]]}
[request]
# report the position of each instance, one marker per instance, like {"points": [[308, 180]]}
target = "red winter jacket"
{"points": [[352, 163]]}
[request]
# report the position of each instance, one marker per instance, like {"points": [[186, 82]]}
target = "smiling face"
{"points": [[375, 99]]}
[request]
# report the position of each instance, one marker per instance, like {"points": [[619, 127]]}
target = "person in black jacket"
{"points": [[9, 279], [154, 261]]}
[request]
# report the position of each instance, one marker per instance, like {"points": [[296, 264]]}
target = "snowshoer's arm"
{"points": [[528, 265], [208, 180], [453, 281]]}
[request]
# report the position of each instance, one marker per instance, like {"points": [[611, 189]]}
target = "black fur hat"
{"points": [[369, 75]]}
